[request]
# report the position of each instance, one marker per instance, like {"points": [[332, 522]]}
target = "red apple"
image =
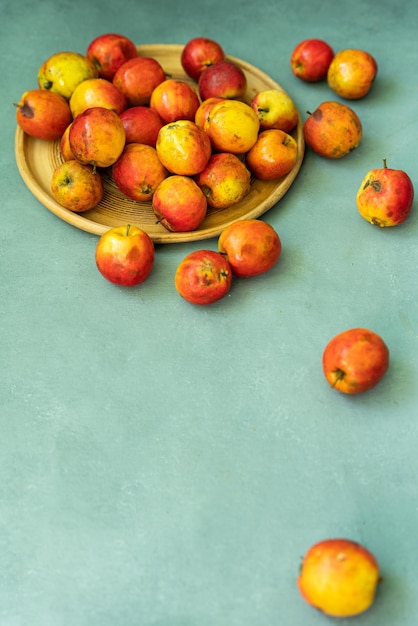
{"points": [[97, 92], [351, 73], [125, 255], [174, 100], [179, 204], [137, 79], [273, 155], [333, 130], [251, 246], [275, 109], [138, 172], [43, 114], [385, 196], [76, 186], [183, 147], [338, 577], [355, 360], [223, 79], [141, 125], [97, 137], [311, 59], [198, 54], [109, 51], [203, 277]]}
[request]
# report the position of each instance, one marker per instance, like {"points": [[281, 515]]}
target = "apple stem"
{"points": [[128, 228], [384, 163], [339, 375]]}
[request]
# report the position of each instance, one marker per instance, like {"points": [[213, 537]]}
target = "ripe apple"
{"points": [[385, 196], [232, 126], [223, 79], [351, 73], [141, 125], [137, 79], [97, 92], [311, 59], [203, 277], [273, 155], [174, 100], [97, 137], [355, 360], [338, 577], [198, 54], [179, 204], [109, 51], [138, 172], [125, 255], [275, 109], [251, 246], [183, 147], [76, 186], [43, 114], [333, 130], [224, 181], [63, 71]]}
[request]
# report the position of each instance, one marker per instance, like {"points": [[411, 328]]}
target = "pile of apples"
{"points": [[181, 145]]}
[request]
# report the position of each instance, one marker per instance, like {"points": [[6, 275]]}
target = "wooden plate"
{"points": [[37, 159]]}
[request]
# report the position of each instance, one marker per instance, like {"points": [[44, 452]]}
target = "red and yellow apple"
{"points": [[232, 126], [63, 71], [275, 109], [351, 73], [175, 100], [338, 577], [311, 59], [97, 92], [355, 360], [385, 196], [109, 51], [125, 255], [273, 155], [251, 246], [138, 172], [333, 130], [179, 204], [198, 54], [43, 114], [183, 147], [224, 181], [76, 186], [203, 277], [97, 137], [224, 79], [137, 79]]}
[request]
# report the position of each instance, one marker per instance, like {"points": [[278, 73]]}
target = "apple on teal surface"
{"points": [[311, 59]]}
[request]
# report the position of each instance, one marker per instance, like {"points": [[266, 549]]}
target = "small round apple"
{"points": [[311, 59], [355, 360], [138, 172], [43, 114], [385, 196], [63, 71], [76, 186], [97, 92], [223, 79], [141, 125], [351, 73], [224, 181], [203, 277], [198, 54], [97, 137], [109, 51], [175, 100], [125, 255], [137, 79], [273, 155], [275, 109], [183, 147], [338, 577], [333, 130], [251, 246], [179, 204], [232, 126]]}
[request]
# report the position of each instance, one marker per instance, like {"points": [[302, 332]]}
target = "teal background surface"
{"points": [[168, 465]]}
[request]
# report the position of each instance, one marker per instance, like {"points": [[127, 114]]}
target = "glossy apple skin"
{"points": [[97, 137], [385, 197], [138, 172], [251, 246], [203, 277], [232, 126], [275, 109], [339, 577], [351, 73], [355, 360], [76, 186], [198, 54], [109, 51], [311, 59], [43, 114], [333, 130], [125, 255], [175, 100], [273, 155], [224, 181], [183, 147], [97, 92], [179, 204], [141, 125], [222, 80], [137, 79]]}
